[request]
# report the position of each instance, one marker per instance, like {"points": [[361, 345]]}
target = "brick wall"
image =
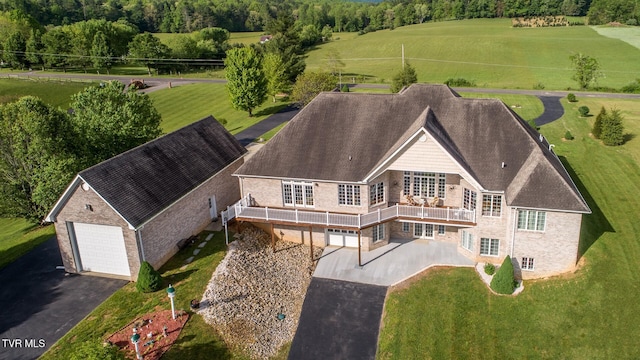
{"points": [[188, 216]]}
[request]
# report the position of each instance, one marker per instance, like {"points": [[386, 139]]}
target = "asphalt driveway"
{"points": [[39, 303], [339, 320]]}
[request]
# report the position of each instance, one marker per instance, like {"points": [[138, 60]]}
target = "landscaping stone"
{"points": [[208, 237], [189, 260], [252, 286], [202, 244], [196, 251]]}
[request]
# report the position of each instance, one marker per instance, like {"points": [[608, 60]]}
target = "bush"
{"points": [[405, 77], [632, 22], [503, 280], [149, 279], [571, 97], [568, 135], [584, 111], [345, 88], [533, 124], [489, 269], [460, 82], [632, 88], [538, 86]]}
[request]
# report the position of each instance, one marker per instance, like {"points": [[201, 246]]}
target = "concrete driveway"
{"points": [[39, 303], [339, 320]]}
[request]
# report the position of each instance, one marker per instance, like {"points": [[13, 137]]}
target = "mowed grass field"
{"points": [[186, 104], [487, 51], [591, 314], [56, 93], [18, 236]]}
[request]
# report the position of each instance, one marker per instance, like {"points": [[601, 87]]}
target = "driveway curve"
{"points": [[553, 110]]}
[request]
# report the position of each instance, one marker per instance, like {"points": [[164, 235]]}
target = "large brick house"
{"points": [[360, 170], [138, 205]]}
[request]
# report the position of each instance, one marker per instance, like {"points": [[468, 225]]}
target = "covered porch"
{"points": [[389, 264]]}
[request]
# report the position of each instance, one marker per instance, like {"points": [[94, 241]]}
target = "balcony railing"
{"points": [[243, 209]]}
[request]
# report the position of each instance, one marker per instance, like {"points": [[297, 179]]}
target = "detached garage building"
{"points": [[138, 205]]}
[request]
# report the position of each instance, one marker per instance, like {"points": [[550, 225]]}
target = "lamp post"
{"points": [[135, 338], [172, 294]]}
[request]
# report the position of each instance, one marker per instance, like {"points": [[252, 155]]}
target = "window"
{"points": [[349, 195], [424, 184], [378, 232], [531, 220], [527, 263], [442, 185], [376, 194], [489, 247], [406, 227], [441, 229], [297, 194], [469, 199], [407, 183], [467, 241], [491, 205]]}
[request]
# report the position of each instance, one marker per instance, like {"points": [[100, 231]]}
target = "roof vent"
{"points": [[551, 146], [541, 138], [503, 165], [349, 157]]}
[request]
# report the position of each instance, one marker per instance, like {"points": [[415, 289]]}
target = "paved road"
{"points": [[39, 303], [340, 320]]}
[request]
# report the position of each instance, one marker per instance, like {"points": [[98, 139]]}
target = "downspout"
{"points": [[513, 233], [141, 247], [241, 187]]}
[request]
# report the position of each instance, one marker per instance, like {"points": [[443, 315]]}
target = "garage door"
{"points": [[339, 237], [101, 249]]}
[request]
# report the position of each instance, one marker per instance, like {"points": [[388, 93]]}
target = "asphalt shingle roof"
{"points": [[344, 136], [145, 180]]}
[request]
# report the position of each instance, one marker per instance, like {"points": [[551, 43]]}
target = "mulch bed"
{"points": [[151, 347]]}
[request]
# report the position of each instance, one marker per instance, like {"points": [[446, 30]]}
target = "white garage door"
{"points": [[101, 248], [339, 237]]}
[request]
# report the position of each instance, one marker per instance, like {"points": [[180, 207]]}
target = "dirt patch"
{"points": [[151, 328]]}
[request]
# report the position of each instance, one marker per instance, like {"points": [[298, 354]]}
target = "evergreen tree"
{"points": [[597, 125], [612, 129], [286, 42], [246, 83], [405, 77], [503, 281], [149, 279]]}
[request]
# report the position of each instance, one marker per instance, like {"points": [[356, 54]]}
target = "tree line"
{"points": [[339, 15]]}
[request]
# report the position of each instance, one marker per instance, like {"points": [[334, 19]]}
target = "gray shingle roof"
{"points": [[344, 136], [145, 180]]}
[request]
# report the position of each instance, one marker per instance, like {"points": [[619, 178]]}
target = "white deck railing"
{"points": [[244, 210]]}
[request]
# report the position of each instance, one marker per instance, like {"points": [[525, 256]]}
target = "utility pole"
{"points": [[402, 56]]}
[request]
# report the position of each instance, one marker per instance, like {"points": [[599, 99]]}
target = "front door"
{"points": [[213, 208], [423, 231]]}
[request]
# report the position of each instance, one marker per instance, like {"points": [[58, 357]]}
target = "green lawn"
{"points": [[487, 51], [628, 34], [587, 315], [197, 340], [186, 104], [18, 236], [56, 93], [528, 107]]}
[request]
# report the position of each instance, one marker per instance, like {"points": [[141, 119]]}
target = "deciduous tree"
{"points": [[309, 85], [246, 82], [275, 73], [587, 70], [147, 49], [100, 52]]}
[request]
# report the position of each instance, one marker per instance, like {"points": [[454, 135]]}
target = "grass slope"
{"points": [[587, 315], [197, 340], [18, 236], [488, 51], [186, 104], [56, 93]]}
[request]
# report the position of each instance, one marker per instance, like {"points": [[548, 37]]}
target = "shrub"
{"points": [[405, 77], [149, 279], [571, 97], [568, 135], [632, 22], [632, 88], [533, 124], [345, 88], [489, 269], [503, 280], [583, 110], [538, 86], [460, 82], [597, 125]]}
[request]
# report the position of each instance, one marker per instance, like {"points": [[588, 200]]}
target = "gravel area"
{"points": [[252, 286]]}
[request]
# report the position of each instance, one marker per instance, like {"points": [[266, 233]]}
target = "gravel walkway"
{"points": [[252, 286]]}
